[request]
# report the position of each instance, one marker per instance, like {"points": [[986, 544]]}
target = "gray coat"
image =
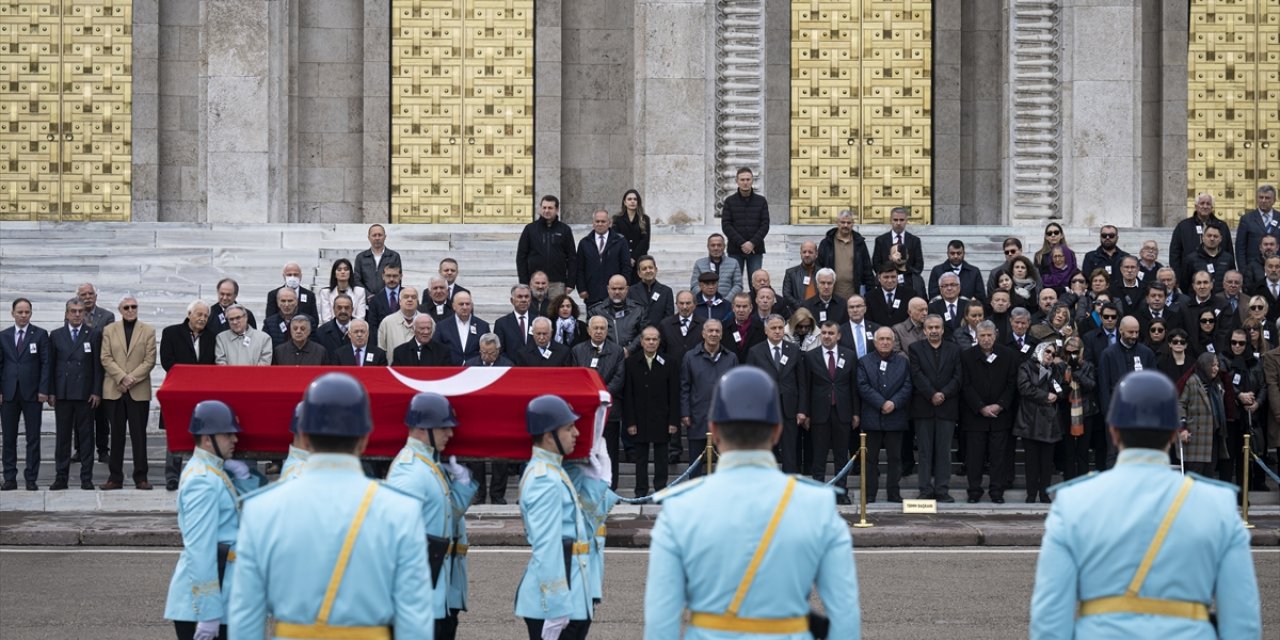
{"points": [[608, 363], [624, 329], [1038, 418], [730, 281], [698, 376]]}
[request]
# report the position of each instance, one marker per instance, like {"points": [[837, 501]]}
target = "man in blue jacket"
{"points": [[884, 383]]}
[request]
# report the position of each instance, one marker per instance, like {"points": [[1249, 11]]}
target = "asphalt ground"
{"points": [[110, 594]]}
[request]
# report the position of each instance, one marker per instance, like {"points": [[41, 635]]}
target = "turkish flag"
{"points": [[490, 403]]}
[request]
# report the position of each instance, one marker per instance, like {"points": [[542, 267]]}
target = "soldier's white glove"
{"points": [[600, 467], [551, 628], [237, 468], [207, 629], [459, 473]]}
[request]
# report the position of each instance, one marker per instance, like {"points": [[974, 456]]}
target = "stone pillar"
{"points": [[674, 108], [246, 112], [1102, 103], [548, 57]]}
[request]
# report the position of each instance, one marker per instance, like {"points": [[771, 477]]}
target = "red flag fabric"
{"points": [[490, 403]]}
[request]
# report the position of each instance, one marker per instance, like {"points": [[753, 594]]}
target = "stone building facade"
{"points": [[465, 111]]}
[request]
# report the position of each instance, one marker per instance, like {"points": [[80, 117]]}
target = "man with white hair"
{"points": [[128, 356], [397, 328], [191, 341], [241, 344], [437, 304], [94, 316], [948, 303], [1187, 234], [292, 273]]}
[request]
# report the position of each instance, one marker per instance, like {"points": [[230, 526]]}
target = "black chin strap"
{"points": [[556, 436], [431, 439], [216, 449]]}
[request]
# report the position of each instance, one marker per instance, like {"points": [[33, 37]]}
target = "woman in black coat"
{"points": [[1040, 385], [566, 328], [1081, 383], [633, 224]]}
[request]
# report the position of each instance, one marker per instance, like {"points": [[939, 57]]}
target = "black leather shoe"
{"points": [[9, 485], [974, 499], [171, 485], [493, 500], [31, 486], [87, 485], [843, 499], [997, 499], [58, 485], [1045, 499], [1031, 499], [945, 497], [895, 499], [924, 495]]}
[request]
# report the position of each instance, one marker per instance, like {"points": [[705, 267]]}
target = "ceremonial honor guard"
{"points": [[208, 516], [554, 596], [417, 471], [1141, 551], [332, 554], [715, 536], [297, 454]]}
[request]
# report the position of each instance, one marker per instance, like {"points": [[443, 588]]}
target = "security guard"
{"points": [[297, 454], [554, 596], [742, 548], [332, 554], [1141, 551], [208, 516], [417, 471]]}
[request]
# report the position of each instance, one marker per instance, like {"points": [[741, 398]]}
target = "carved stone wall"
{"points": [[1035, 111], [740, 95]]}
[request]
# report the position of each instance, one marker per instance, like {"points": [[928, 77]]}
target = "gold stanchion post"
{"points": [[862, 483], [1244, 485], [708, 454]]}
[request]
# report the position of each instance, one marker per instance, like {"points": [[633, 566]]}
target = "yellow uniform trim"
{"points": [[335, 580], [602, 532], [231, 556], [459, 549], [580, 548], [326, 632], [729, 620], [1130, 602], [444, 484], [734, 624]]}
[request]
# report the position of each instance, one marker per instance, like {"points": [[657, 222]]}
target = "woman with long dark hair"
{"points": [[1055, 237], [1204, 417], [1204, 337], [1157, 335], [567, 329], [340, 282], [632, 223], [1177, 356], [1024, 283]]}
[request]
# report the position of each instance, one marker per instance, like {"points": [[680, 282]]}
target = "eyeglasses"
{"points": [[1256, 307], [1071, 353], [1098, 303], [1208, 321], [1077, 282], [1177, 342], [1108, 317], [128, 307], [804, 326], [1157, 329], [1254, 329], [1052, 232], [1010, 252], [1108, 236], [1238, 343]]}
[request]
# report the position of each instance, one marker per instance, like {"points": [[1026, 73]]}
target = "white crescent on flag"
{"points": [[471, 379]]}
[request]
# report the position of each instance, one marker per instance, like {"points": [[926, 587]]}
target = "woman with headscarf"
{"points": [[1058, 274], [1204, 417], [1041, 388], [1080, 407]]}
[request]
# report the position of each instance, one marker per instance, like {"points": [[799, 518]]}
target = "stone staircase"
{"points": [[167, 265]]}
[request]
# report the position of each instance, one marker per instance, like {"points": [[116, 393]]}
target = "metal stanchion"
{"points": [[709, 455], [1244, 485], [862, 483]]}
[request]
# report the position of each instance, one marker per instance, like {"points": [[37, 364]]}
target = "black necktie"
{"points": [[777, 357], [75, 335], [21, 332]]}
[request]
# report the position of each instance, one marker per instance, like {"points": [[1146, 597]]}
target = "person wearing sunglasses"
{"points": [[128, 356], [1178, 355], [1012, 249], [1187, 233], [1200, 300], [1054, 236], [1106, 334], [1205, 337], [1080, 410], [1156, 334], [1108, 255], [1118, 360], [1244, 386], [1042, 390]]}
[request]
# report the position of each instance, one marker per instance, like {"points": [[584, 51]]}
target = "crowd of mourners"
{"points": [[938, 365]]}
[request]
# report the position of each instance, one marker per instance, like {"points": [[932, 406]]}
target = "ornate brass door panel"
{"points": [[65, 109], [861, 117], [1233, 67], [462, 110]]}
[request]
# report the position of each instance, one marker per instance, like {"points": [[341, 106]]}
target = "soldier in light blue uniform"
{"points": [[554, 596], [596, 501], [208, 516], [1141, 551], [417, 471], [332, 554], [297, 454], [460, 499], [742, 548]]}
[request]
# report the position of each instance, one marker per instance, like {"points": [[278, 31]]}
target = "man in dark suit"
{"points": [[1020, 339], [949, 304], [359, 353], [461, 332], [857, 333], [24, 386], [437, 304], [76, 379], [651, 410], [743, 330], [514, 328], [387, 301], [293, 280], [829, 402], [781, 359], [1156, 308], [97, 317], [990, 373], [935, 406], [188, 342], [491, 355], [228, 291], [277, 324], [884, 387], [887, 305], [1233, 302], [333, 334], [424, 350], [543, 351], [1269, 287], [898, 235], [448, 270], [657, 298], [826, 306], [1262, 221], [1097, 341], [682, 331], [969, 276], [606, 357], [300, 350], [601, 255], [370, 262], [801, 281]]}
